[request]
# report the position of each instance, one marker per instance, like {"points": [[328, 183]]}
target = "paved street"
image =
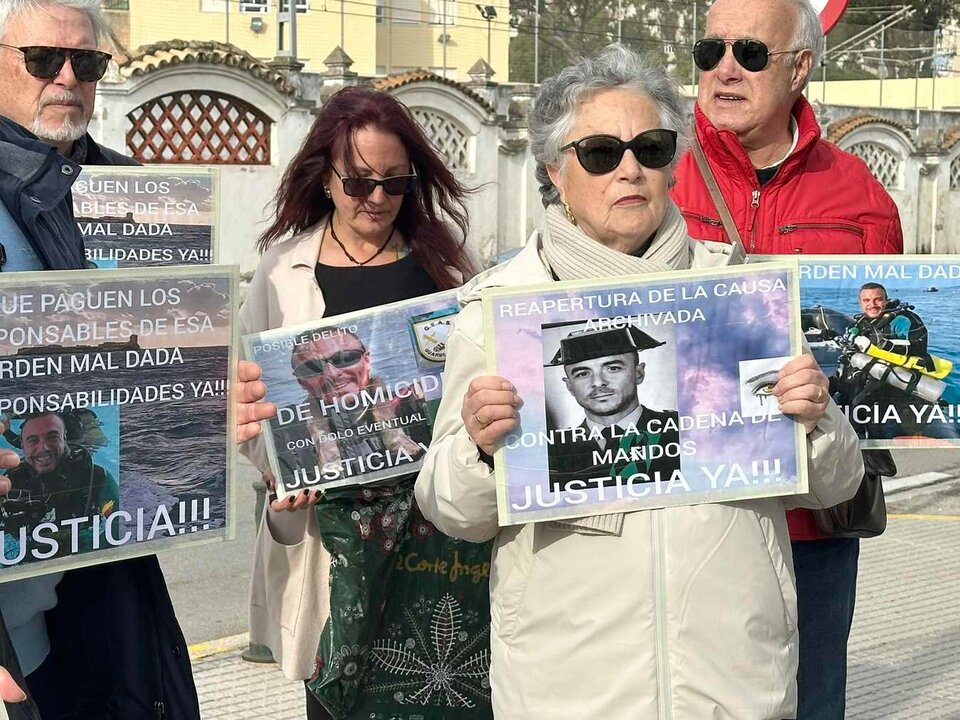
{"points": [[904, 652]]}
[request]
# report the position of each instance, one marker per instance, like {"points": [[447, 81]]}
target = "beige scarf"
{"points": [[572, 255]]}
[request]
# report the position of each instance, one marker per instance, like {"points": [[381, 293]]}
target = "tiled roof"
{"points": [[392, 82], [156, 56], [839, 129], [951, 137]]}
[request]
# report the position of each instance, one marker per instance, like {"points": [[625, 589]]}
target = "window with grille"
{"points": [[447, 137], [439, 8], [955, 173], [405, 12], [885, 164], [263, 6], [200, 128]]}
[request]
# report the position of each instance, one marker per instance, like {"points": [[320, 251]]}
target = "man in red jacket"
{"points": [[788, 192]]}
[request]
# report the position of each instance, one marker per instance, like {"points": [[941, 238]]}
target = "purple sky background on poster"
{"points": [[738, 327]]}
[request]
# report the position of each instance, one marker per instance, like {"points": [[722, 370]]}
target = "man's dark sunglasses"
{"points": [[752, 55], [362, 187], [316, 366], [46, 62], [599, 154]]}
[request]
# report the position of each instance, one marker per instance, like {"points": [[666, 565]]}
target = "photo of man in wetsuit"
{"points": [[886, 374], [619, 436], [57, 480]]}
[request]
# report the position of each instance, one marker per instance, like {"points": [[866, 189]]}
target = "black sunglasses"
{"points": [[362, 187], [752, 55], [316, 366], [599, 154], [46, 62]]}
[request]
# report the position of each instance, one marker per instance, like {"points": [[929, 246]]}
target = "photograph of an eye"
{"points": [[763, 383], [757, 380]]}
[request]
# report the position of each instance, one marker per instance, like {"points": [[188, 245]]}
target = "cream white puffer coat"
{"points": [[687, 613]]}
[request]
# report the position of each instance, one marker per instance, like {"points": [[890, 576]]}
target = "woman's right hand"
{"points": [[490, 411], [299, 501]]}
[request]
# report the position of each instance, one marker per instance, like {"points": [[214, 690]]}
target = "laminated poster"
{"points": [[115, 396], [147, 217], [356, 394], [885, 330], [646, 392]]}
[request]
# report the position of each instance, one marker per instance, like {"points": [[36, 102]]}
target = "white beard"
{"points": [[66, 131]]}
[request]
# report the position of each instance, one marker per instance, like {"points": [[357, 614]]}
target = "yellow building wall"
{"points": [[925, 93], [942, 93], [318, 30], [384, 47], [403, 46]]}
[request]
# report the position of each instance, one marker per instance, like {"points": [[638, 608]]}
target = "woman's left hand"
{"points": [[803, 391]]}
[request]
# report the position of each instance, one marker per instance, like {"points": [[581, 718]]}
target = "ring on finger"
{"points": [[820, 393], [480, 422]]}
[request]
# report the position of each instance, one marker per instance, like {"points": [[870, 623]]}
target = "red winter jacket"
{"points": [[821, 201]]}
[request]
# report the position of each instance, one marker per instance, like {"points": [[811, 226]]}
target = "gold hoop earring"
{"points": [[568, 213]]}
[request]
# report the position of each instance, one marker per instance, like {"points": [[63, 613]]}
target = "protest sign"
{"points": [[646, 391], [885, 330], [356, 394], [115, 395], [147, 217]]}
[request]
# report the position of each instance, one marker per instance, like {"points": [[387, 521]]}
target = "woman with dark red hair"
{"points": [[367, 202]]}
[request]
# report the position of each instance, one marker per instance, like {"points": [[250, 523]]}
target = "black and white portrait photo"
{"points": [[611, 397]]}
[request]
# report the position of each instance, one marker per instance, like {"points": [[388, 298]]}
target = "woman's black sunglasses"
{"points": [[752, 55], [46, 62], [362, 187], [599, 154]]}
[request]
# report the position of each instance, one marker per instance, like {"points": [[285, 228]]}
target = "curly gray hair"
{"points": [[90, 8], [556, 105]]}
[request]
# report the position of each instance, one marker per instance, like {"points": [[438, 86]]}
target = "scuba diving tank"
{"points": [[922, 386]]}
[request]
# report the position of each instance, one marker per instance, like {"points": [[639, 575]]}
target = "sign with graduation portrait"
{"points": [[646, 392], [147, 217], [356, 394], [885, 331], [115, 397]]}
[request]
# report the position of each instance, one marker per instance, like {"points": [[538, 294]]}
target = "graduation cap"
{"points": [[591, 344]]}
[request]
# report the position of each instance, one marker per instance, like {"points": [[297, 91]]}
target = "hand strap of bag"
{"points": [[711, 182]]}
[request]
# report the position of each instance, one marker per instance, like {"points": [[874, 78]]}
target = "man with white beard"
{"points": [[103, 641], [49, 68]]}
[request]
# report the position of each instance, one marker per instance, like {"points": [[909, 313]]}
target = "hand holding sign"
{"points": [[490, 411], [250, 411], [803, 391]]}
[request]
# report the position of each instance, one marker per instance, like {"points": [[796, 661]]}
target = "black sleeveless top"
{"points": [[347, 289]]}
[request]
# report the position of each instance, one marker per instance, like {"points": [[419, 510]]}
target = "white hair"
{"points": [[557, 103], [90, 8], [808, 32]]}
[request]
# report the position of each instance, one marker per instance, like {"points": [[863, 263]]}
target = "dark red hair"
{"points": [[300, 200]]}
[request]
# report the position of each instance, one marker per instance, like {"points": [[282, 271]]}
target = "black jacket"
{"points": [[116, 642]]}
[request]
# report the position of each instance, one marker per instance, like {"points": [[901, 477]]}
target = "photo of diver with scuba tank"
{"points": [[61, 476], [891, 356]]}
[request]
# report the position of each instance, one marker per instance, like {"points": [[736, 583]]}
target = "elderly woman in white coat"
{"points": [[684, 612]]}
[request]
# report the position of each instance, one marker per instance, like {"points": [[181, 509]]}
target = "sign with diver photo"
{"points": [[646, 392], [147, 217], [885, 331], [115, 396], [356, 394]]}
